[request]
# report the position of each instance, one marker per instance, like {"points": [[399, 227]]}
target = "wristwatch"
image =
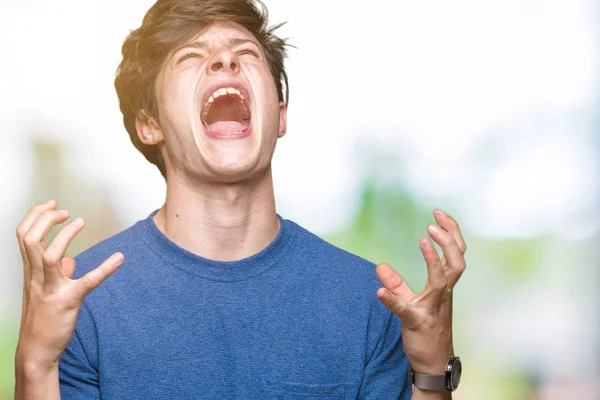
{"points": [[447, 382]]}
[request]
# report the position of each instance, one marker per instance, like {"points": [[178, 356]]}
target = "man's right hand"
{"points": [[51, 299]]}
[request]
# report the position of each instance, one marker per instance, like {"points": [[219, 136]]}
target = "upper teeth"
{"points": [[224, 91]]}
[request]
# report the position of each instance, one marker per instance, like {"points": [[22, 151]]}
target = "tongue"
{"points": [[226, 127]]}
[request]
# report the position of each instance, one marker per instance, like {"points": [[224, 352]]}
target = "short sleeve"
{"points": [[386, 373], [78, 377]]}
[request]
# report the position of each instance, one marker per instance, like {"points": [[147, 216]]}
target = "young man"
{"points": [[216, 296]]}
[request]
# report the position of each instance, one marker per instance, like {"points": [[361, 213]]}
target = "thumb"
{"points": [[94, 278], [398, 306]]}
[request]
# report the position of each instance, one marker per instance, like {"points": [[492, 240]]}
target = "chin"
{"points": [[232, 166]]}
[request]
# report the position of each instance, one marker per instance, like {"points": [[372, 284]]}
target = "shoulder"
{"points": [[333, 260]]}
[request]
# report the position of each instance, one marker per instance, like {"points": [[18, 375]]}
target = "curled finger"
{"points": [[67, 264], [34, 240], [435, 273], [53, 256], [453, 256], [450, 225], [32, 215]]}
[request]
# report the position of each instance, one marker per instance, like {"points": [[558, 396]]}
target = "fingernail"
{"points": [[440, 212], [433, 229], [117, 257], [78, 221], [49, 202], [63, 212]]}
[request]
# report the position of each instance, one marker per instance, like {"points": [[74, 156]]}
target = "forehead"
{"points": [[223, 32]]}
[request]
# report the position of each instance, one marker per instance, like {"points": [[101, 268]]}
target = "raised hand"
{"points": [[426, 317], [51, 299]]}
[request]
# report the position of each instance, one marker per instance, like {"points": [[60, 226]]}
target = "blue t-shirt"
{"points": [[298, 320]]}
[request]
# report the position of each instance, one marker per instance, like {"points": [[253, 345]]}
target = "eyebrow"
{"points": [[233, 42], [236, 42]]}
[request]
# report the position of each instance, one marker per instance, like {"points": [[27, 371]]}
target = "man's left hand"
{"points": [[426, 317]]}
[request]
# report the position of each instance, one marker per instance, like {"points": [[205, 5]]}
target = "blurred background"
{"points": [[488, 110]]}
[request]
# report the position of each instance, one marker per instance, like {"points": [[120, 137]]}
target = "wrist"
{"points": [[28, 367], [432, 363], [36, 380], [435, 366]]}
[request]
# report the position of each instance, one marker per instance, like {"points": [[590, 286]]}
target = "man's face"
{"points": [[219, 112]]}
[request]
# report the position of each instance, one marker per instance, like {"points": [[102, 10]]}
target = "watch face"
{"points": [[455, 374]]}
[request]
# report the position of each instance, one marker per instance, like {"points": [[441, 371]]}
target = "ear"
{"points": [[148, 129], [282, 119]]}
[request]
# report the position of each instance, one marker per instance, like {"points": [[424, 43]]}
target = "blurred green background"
{"points": [[487, 110]]}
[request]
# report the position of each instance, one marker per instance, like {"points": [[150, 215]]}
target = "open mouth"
{"points": [[226, 113]]}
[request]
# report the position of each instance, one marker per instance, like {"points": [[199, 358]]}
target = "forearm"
{"points": [[421, 394], [36, 382]]}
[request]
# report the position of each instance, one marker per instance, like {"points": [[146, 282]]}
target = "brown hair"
{"points": [[169, 24]]}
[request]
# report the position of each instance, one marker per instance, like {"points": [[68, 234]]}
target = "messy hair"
{"points": [[169, 24]]}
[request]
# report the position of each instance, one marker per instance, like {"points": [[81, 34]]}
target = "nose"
{"points": [[224, 61]]}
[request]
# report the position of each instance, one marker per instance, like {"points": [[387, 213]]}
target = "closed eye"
{"points": [[248, 51], [188, 56]]}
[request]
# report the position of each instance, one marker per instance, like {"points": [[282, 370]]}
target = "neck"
{"points": [[222, 222]]}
